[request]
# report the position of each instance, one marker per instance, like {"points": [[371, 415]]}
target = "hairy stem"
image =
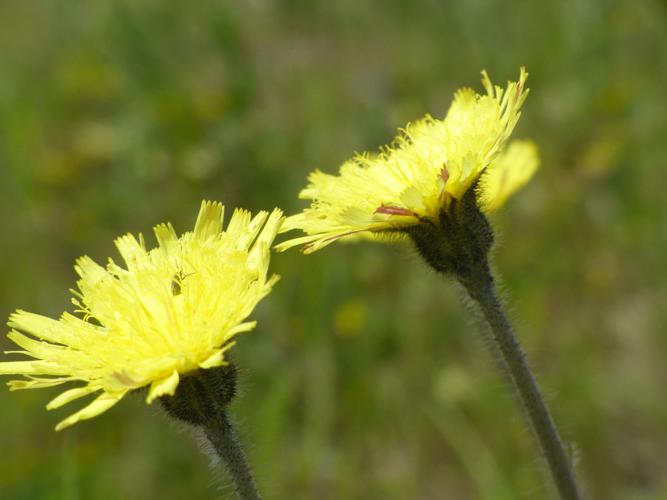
{"points": [[223, 438], [481, 288]]}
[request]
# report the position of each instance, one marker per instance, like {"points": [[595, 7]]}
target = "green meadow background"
{"points": [[366, 377]]}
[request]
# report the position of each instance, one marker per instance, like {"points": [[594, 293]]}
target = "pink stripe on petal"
{"points": [[389, 210], [444, 173]]}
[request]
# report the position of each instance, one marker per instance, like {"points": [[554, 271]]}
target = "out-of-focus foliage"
{"points": [[365, 377]]}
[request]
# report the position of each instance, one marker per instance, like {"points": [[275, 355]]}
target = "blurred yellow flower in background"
{"points": [[171, 310], [430, 163]]}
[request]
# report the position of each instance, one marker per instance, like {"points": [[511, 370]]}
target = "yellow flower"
{"points": [[430, 163], [169, 311]]}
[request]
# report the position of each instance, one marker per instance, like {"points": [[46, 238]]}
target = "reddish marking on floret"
{"points": [[444, 173], [124, 379], [389, 210]]}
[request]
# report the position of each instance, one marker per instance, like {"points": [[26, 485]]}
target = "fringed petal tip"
{"points": [[276, 219], [209, 219]]}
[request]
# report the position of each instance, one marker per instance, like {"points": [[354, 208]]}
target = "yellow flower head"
{"points": [[168, 311], [430, 163]]}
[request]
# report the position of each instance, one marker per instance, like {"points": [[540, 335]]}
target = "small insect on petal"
{"points": [[177, 282]]}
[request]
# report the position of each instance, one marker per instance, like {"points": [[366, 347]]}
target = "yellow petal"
{"points": [[247, 228], [36, 367], [35, 348], [131, 250], [166, 236], [285, 245], [71, 395], [38, 326], [271, 227], [163, 386], [217, 359], [37, 383], [103, 402], [209, 220], [506, 174], [88, 269], [242, 327]]}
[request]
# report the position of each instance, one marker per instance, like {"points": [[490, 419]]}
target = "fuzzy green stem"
{"points": [[481, 288], [223, 438]]}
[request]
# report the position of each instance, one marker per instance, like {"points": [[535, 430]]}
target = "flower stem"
{"points": [[223, 438], [481, 288]]}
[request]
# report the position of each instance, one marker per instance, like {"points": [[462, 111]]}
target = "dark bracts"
{"points": [[458, 245], [201, 399]]}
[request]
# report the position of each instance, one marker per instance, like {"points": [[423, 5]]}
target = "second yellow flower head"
{"points": [[431, 162]]}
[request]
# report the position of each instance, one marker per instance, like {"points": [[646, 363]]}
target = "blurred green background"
{"points": [[366, 376]]}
